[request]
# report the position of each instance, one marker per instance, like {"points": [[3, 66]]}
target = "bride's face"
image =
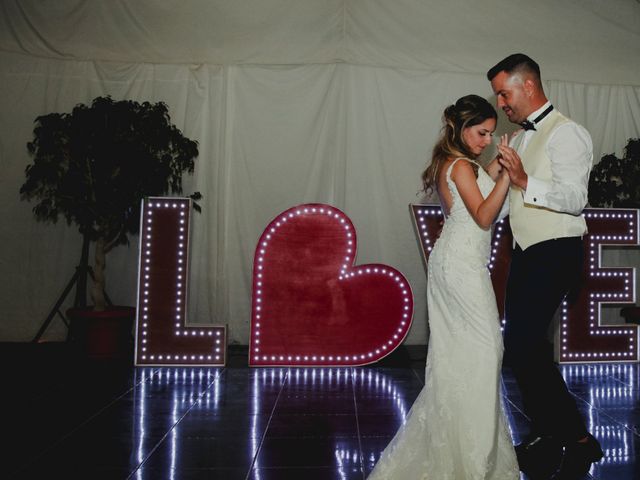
{"points": [[479, 136]]}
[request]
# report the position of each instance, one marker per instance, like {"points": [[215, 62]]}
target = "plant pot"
{"points": [[103, 335]]}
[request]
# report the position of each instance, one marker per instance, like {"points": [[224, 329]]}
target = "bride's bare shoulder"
{"points": [[464, 165], [444, 168]]}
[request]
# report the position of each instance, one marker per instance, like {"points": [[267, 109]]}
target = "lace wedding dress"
{"points": [[456, 429]]}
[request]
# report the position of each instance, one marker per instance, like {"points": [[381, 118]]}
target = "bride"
{"points": [[456, 429]]}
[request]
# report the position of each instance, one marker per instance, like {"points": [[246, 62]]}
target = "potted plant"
{"points": [[93, 167], [615, 182]]}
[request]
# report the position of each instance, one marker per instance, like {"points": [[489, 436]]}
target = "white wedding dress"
{"points": [[456, 429]]}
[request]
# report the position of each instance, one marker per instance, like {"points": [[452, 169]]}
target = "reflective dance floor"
{"points": [[68, 419]]}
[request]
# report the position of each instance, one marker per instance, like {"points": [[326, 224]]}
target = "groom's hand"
{"points": [[510, 160]]}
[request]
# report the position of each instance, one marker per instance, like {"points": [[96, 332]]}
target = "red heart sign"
{"points": [[311, 305]]}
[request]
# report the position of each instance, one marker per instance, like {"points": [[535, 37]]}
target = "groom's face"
{"points": [[511, 96]]}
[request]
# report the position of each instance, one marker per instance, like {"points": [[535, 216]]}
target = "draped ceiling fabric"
{"points": [[291, 101]]}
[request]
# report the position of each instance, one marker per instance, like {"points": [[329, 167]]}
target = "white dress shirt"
{"points": [[571, 153]]}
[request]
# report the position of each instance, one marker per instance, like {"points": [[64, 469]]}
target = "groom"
{"points": [[548, 163]]}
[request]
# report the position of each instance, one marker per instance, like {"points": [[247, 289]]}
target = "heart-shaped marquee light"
{"points": [[311, 306], [582, 336]]}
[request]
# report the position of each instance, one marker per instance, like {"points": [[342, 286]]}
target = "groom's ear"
{"points": [[529, 86]]}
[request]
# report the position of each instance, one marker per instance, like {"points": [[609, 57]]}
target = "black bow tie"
{"points": [[527, 125]]}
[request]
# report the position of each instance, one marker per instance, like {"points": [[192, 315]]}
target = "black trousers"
{"points": [[539, 279]]}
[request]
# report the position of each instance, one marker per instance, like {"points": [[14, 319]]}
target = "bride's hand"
{"points": [[512, 162], [503, 141], [495, 168]]}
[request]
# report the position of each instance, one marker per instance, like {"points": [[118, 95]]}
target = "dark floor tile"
{"points": [[380, 425], [246, 383], [353, 473], [309, 452], [32, 440], [72, 471], [312, 426], [241, 406], [616, 471], [146, 473], [396, 404], [149, 407], [223, 426], [183, 452], [372, 448], [114, 422], [68, 419], [513, 401], [382, 382], [92, 453], [315, 404], [518, 426]]}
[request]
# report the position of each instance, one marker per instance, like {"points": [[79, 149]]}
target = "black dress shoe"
{"points": [[539, 457], [578, 458]]}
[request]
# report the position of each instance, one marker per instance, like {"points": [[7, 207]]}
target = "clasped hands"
{"points": [[512, 163]]}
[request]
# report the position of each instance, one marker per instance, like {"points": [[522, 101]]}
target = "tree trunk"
{"points": [[83, 269], [97, 289]]}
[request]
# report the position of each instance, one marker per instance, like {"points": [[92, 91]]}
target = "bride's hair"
{"points": [[468, 111]]}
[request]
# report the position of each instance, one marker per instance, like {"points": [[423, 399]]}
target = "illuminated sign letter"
{"points": [[311, 305], [583, 338], [162, 334]]}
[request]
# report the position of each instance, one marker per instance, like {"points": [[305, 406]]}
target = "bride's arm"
{"points": [[482, 210]]}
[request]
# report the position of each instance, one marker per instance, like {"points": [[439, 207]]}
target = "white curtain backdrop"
{"points": [[291, 101]]}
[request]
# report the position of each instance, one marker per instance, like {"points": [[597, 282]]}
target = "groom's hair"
{"points": [[515, 63]]}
